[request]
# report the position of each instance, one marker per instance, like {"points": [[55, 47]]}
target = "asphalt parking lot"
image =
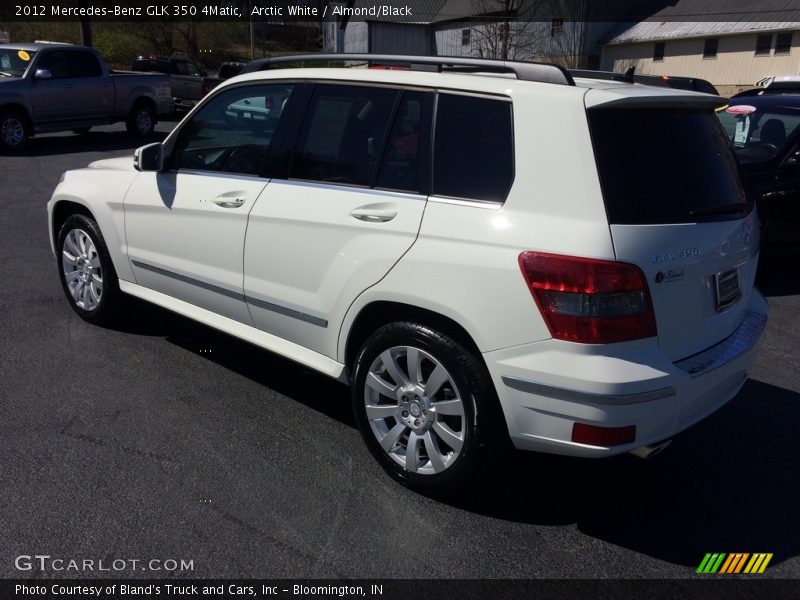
{"points": [[165, 439]]}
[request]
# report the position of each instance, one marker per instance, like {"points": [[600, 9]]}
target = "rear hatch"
{"points": [[676, 209]]}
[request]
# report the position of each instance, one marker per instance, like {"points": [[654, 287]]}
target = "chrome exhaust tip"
{"points": [[650, 451]]}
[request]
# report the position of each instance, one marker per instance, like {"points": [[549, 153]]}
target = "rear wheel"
{"points": [[14, 130], [141, 121], [426, 408], [87, 274]]}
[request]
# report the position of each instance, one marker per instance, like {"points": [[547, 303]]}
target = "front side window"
{"points": [[343, 133], [473, 148], [56, 63], [234, 131]]}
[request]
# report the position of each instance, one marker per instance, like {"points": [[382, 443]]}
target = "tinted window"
{"points": [[83, 64], [56, 63], [473, 148], [660, 165], [343, 133], [233, 132], [405, 158]]}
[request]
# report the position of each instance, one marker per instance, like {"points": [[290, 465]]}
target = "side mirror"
{"points": [[42, 74], [149, 158]]}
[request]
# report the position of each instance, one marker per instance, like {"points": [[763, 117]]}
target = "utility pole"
{"points": [[252, 32], [86, 25]]}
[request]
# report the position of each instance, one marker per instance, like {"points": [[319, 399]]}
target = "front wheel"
{"points": [[426, 408], [86, 271], [14, 130], [142, 121]]}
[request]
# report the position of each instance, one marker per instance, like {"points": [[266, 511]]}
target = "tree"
{"points": [[554, 30]]}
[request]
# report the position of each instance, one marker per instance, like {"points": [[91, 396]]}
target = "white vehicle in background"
{"points": [[485, 251]]}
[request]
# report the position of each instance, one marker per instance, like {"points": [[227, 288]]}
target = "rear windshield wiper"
{"points": [[723, 209]]}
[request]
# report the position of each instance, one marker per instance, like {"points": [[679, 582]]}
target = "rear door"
{"points": [[676, 209], [92, 90], [345, 210]]}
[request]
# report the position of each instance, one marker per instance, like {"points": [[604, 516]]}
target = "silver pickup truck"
{"points": [[61, 87]]}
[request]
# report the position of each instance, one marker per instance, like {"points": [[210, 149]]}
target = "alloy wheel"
{"points": [[415, 410], [82, 270]]}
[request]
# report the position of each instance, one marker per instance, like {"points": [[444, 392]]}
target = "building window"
{"points": [[658, 51], [710, 48], [556, 27], [783, 43], [763, 44], [466, 35]]}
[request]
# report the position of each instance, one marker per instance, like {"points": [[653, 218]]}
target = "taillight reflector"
{"points": [[593, 435], [587, 300]]}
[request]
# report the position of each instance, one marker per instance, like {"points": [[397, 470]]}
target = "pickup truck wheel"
{"points": [[86, 271], [142, 120], [14, 130], [426, 408]]}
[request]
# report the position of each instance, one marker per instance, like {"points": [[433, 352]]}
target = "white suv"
{"points": [[483, 250]]}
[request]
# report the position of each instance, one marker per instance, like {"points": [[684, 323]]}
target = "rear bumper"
{"points": [[547, 387]]}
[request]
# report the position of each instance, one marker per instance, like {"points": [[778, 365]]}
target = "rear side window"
{"points": [[405, 157], [473, 148], [661, 166], [343, 133], [83, 64]]}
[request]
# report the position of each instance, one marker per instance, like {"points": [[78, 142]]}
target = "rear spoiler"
{"points": [[595, 101]]}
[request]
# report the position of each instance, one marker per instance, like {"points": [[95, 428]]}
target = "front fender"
{"points": [[101, 193]]}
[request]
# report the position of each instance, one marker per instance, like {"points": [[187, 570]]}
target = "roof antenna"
{"points": [[629, 74]]}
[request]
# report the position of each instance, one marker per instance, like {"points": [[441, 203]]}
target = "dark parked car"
{"points": [[187, 81], [765, 134]]}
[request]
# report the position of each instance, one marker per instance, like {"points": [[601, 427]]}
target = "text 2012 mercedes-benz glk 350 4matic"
{"points": [[484, 251]]}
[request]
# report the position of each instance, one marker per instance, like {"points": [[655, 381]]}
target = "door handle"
{"points": [[228, 202], [374, 215]]}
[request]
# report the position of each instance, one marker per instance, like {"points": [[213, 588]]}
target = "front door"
{"points": [[186, 226]]}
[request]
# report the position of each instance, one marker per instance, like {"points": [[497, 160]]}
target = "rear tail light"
{"points": [[594, 435], [589, 301], [204, 89], [270, 102]]}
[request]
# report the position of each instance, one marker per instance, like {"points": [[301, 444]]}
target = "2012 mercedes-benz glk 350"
{"points": [[484, 251]]}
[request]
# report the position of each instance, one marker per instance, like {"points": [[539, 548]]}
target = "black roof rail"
{"points": [[626, 77], [524, 71]]}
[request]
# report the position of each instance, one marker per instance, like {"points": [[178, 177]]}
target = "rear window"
{"points": [[664, 165]]}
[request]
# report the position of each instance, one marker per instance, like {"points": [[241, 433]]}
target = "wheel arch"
{"points": [[378, 313]]}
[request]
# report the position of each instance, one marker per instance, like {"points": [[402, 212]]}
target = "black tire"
{"points": [[15, 130], [483, 431], [98, 311], [141, 121], [82, 130]]}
